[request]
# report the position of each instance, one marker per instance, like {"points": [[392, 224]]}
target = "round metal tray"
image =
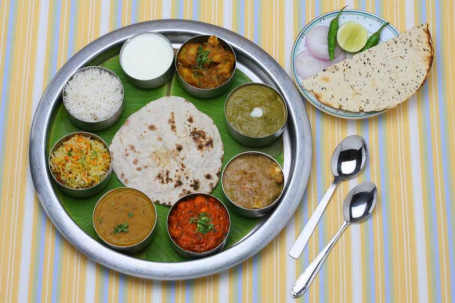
{"points": [[253, 61]]}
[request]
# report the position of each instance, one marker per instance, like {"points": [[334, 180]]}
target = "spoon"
{"points": [[357, 206], [348, 160]]}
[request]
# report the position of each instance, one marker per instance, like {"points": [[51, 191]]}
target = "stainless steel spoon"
{"points": [[348, 160], [357, 206]]}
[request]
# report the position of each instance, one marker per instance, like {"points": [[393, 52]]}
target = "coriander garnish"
{"points": [[203, 222], [121, 228], [202, 56], [130, 215]]}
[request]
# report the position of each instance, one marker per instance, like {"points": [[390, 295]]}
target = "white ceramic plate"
{"points": [[371, 22]]}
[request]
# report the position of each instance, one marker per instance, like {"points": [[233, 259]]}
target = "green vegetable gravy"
{"points": [[255, 110]]}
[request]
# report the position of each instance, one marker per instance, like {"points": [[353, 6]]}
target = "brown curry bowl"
{"points": [[251, 212], [205, 93], [124, 219], [181, 219]]}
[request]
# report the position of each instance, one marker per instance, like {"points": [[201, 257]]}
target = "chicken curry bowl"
{"points": [[205, 63]]}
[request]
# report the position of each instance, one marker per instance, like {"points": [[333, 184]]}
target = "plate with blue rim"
{"points": [[371, 22]]}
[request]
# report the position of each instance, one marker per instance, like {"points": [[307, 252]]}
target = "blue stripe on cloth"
{"points": [[255, 286], [239, 283], [241, 20], [134, 11], [370, 237], [429, 181], [443, 139], [6, 84], [319, 151], [40, 245], [385, 196]]}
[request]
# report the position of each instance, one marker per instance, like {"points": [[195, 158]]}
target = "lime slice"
{"points": [[352, 36]]}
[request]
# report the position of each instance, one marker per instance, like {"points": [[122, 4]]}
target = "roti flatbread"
{"points": [[378, 78], [168, 149]]}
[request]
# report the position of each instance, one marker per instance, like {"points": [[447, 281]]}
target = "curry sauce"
{"points": [[205, 65], [124, 217]]}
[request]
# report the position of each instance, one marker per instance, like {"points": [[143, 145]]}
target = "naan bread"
{"points": [[168, 149], [378, 78]]}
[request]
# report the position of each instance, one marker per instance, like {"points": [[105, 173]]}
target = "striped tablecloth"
{"points": [[404, 253]]}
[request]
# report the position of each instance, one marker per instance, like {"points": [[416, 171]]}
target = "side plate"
{"points": [[371, 22]]}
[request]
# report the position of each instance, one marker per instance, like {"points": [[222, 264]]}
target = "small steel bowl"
{"points": [[130, 248], [150, 82], [251, 212], [206, 93], [249, 140], [191, 254], [98, 125], [84, 192]]}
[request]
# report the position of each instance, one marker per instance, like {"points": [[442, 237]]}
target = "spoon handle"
{"points": [[302, 240], [305, 279]]}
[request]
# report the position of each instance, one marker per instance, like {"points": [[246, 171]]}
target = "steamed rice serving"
{"points": [[93, 95]]}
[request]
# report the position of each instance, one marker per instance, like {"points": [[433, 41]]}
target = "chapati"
{"points": [[168, 149]]}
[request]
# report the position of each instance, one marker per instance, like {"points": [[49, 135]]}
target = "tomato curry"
{"points": [[199, 223]]}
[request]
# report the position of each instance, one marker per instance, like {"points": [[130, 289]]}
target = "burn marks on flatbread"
{"points": [[168, 149], [195, 184], [171, 122], [164, 177], [202, 140]]}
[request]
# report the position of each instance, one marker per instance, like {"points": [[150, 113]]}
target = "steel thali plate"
{"points": [[257, 65]]}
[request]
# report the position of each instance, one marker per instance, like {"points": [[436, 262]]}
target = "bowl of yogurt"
{"points": [[147, 59]]}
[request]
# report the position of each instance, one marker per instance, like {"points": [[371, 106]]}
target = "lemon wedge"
{"points": [[352, 36]]}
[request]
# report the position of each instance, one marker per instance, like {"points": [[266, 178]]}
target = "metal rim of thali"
{"points": [[297, 156]]}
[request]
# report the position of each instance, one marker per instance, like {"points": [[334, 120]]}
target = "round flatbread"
{"points": [[168, 149], [378, 78]]}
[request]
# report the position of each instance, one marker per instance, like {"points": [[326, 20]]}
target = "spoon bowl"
{"points": [[349, 158], [360, 202]]}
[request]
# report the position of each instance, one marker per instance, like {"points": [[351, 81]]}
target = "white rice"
{"points": [[93, 95]]}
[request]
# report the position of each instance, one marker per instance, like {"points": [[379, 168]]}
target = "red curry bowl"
{"points": [[198, 225]]}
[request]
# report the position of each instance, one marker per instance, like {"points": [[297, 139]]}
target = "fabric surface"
{"points": [[404, 253]]}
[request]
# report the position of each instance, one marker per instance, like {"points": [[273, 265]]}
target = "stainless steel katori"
{"points": [[206, 92], [82, 192], [129, 249], [250, 212], [192, 254], [153, 82], [250, 140], [97, 125], [252, 61]]}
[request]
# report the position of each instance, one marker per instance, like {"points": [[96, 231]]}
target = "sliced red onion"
{"points": [[307, 65], [316, 42], [340, 57]]}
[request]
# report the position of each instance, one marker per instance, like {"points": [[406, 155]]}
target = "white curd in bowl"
{"points": [[146, 56]]}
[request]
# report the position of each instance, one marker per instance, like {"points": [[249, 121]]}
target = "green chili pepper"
{"points": [[332, 36], [374, 38]]}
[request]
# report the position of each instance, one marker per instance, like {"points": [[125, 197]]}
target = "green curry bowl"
{"points": [[256, 114]]}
